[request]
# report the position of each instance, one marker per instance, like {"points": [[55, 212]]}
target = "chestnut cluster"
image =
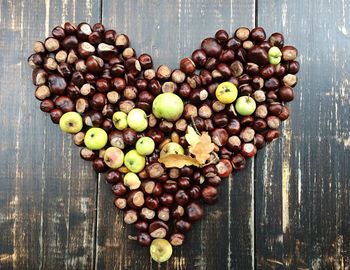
{"points": [[95, 72]]}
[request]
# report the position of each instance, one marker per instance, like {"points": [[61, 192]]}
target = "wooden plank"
{"points": [[48, 193], [224, 238], [313, 157]]}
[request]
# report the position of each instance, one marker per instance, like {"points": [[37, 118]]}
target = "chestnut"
{"points": [[233, 44], [242, 33], [181, 197], [199, 57], [220, 120], [234, 143], [219, 136], [183, 226], [135, 199], [248, 150], [236, 68], [284, 113], [211, 63], [152, 203], [154, 87], [177, 239], [184, 90], [187, 66], [122, 41], [130, 216], [156, 135], [271, 135], [158, 229], [209, 170], [163, 213], [258, 34], [289, 53], [166, 199], [93, 118], [238, 162], [155, 170], [126, 105], [276, 39], [47, 105], [194, 192], [210, 194], [87, 154], [147, 214], [51, 44], [273, 122], [141, 226], [178, 212], [99, 165], [120, 203], [163, 72], [224, 168], [68, 43], [106, 51], [285, 93], [194, 211], [94, 64], [144, 239], [64, 103], [259, 141], [39, 76], [227, 56], [83, 31], [69, 28], [113, 176], [129, 136], [211, 47], [119, 189], [247, 134]]}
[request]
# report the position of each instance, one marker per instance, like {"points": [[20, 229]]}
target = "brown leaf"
{"points": [[178, 161], [203, 148], [191, 136]]}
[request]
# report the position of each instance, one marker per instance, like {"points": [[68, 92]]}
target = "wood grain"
{"points": [[309, 175], [169, 36], [47, 195]]}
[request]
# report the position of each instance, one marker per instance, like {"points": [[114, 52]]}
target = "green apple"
{"points": [[137, 120], [274, 55], [145, 146], [226, 92], [172, 148], [113, 157], [245, 105], [168, 106], [71, 122], [161, 250], [119, 120], [132, 181], [134, 161], [95, 138]]}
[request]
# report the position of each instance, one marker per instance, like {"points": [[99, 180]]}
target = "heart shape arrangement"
{"points": [[165, 138]]}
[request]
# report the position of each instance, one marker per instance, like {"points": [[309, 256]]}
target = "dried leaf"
{"points": [[203, 148], [191, 136], [178, 161]]}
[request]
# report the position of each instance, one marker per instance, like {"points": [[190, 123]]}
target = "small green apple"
{"points": [[172, 148], [71, 122], [226, 92], [161, 250], [119, 120], [113, 157], [95, 138], [132, 181], [245, 105], [145, 146], [134, 161], [168, 106], [274, 55], [137, 120]]}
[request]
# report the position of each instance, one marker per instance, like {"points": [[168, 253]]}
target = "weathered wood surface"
{"points": [[289, 209]]}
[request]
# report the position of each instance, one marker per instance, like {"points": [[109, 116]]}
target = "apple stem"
{"points": [[194, 126]]}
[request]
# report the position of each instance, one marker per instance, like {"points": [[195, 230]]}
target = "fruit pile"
{"points": [[165, 138]]}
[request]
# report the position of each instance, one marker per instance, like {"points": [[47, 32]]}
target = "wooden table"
{"points": [[289, 209]]}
